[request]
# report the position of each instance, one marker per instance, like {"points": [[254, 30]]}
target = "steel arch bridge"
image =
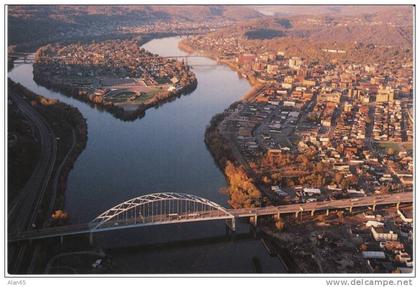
{"points": [[160, 208]]}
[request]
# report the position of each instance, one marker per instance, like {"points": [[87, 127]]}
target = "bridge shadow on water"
{"points": [[201, 247], [195, 248]]}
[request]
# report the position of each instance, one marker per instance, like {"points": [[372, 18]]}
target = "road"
{"points": [[23, 211], [404, 197]]}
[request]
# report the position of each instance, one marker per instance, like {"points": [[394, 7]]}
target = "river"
{"points": [[163, 151]]}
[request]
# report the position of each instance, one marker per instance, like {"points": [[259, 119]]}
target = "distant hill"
{"points": [[341, 25], [381, 34], [333, 10], [71, 13], [27, 23]]}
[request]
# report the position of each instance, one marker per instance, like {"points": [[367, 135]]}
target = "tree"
{"points": [[340, 215], [338, 177], [345, 183], [280, 224], [242, 191], [390, 151], [319, 167], [266, 180]]}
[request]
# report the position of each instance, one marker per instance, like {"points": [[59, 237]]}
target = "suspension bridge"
{"points": [[179, 208]]}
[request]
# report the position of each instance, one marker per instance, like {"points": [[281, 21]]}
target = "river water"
{"points": [[164, 151]]}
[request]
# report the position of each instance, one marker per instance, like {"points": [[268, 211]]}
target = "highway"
{"points": [[30, 197], [23, 211], [406, 197]]}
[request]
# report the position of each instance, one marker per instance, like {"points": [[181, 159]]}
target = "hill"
{"points": [[49, 22]]}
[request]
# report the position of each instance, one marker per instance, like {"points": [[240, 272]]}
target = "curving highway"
{"points": [[23, 211]]}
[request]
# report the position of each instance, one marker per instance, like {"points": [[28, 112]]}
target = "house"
{"points": [[355, 192], [279, 191], [311, 191], [404, 257], [391, 245], [381, 235], [373, 254], [374, 223]]}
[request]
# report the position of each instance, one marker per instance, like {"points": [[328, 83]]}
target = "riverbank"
{"points": [[116, 111], [253, 81], [164, 151], [68, 132], [70, 129], [116, 75], [242, 190]]}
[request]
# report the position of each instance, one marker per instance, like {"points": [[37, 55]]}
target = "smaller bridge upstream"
{"points": [[172, 208], [29, 58]]}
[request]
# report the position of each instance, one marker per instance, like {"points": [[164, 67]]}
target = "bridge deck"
{"points": [[324, 205], [406, 197]]}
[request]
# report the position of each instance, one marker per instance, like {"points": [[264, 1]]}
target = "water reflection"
{"points": [[164, 151]]}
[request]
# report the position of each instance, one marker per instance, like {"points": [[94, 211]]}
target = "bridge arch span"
{"points": [[159, 208]]}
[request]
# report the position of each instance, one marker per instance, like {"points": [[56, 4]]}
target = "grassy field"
{"points": [[144, 98]]}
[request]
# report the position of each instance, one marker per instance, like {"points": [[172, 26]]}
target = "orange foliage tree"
{"points": [[242, 191]]}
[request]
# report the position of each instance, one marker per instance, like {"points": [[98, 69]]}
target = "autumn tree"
{"points": [[242, 191], [338, 177]]}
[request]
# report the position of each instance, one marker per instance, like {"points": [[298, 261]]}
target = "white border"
{"points": [[249, 280]]}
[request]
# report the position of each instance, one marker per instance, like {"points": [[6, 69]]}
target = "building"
{"points": [[381, 235], [385, 95], [272, 69], [311, 191], [295, 63], [246, 59]]}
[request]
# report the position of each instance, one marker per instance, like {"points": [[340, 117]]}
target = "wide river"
{"points": [[164, 151]]}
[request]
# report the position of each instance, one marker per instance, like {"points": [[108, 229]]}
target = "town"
{"points": [[115, 74], [315, 131], [294, 152]]}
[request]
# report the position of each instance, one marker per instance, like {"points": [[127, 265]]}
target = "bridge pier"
{"points": [[276, 216], [299, 211], [374, 206], [230, 224], [398, 205], [313, 212], [253, 220], [91, 238], [327, 212], [61, 240], [253, 229], [351, 208]]}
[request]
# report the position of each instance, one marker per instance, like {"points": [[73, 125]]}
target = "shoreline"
{"points": [[116, 111], [220, 149], [68, 90], [253, 82], [66, 122], [245, 192], [53, 110]]}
